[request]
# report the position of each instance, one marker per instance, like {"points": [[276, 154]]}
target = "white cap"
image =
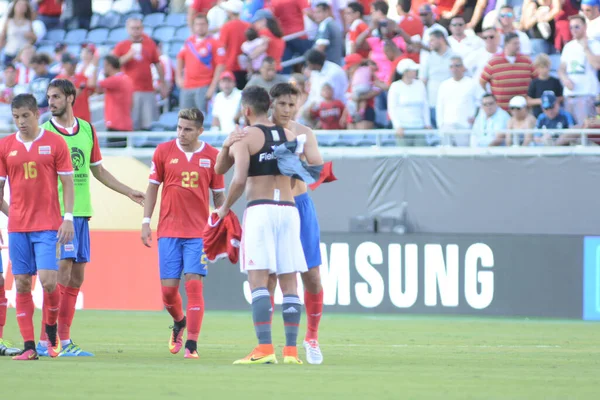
{"points": [[407, 65], [518, 102], [233, 6]]}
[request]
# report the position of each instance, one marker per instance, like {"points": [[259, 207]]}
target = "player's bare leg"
{"points": [[173, 304], [313, 301], [194, 313], [6, 348], [25, 309], [264, 353], [292, 312]]}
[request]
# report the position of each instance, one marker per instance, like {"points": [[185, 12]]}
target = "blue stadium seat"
{"points": [[164, 33], [110, 20], [174, 49], [211, 138], [134, 14], [104, 50], [154, 20], [326, 139], [182, 33], [48, 49], [53, 36], [148, 30], [168, 121], [76, 36], [74, 50], [97, 36], [95, 22], [176, 20], [117, 35]]}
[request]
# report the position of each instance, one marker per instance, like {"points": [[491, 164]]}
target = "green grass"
{"points": [[386, 357]]}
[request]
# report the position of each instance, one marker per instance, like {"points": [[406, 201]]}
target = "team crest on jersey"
{"points": [[205, 163], [203, 52], [44, 150], [12, 153], [174, 161]]}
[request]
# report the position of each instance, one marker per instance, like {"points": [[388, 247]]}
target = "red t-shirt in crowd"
{"points": [[118, 102], [50, 8], [81, 108], [354, 31], [202, 6], [276, 47], [329, 114], [232, 35], [290, 14], [200, 63], [138, 69]]}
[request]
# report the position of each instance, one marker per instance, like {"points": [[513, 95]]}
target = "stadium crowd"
{"points": [[485, 65]]}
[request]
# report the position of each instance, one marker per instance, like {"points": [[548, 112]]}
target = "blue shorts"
{"points": [[79, 249], [177, 255], [310, 233], [1, 266], [32, 251]]}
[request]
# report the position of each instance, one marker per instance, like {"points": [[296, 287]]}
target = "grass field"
{"points": [[384, 357]]}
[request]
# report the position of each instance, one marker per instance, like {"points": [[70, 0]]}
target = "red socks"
{"points": [[195, 308], [25, 316], [51, 306], [3, 305], [68, 300], [172, 302], [314, 310]]}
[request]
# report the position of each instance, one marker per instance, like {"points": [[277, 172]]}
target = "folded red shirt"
{"points": [[326, 176], [222, 237]]}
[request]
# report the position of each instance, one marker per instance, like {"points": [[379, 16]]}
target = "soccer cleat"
{"points": [[262, 354], [54, 346], [191, 354], [72, 350], [290, 355], [6, 348], [313, 352], [27, 355], [42, 350], [176, 339]]}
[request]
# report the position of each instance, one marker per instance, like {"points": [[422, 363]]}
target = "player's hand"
{"points": [[222, 212], [66, 232], [146, 235], [137, 197], [235, 136]]}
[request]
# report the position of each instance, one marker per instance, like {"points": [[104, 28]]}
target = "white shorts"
{"points": [[271, 238]]}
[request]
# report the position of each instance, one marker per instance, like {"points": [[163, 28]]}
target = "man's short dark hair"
{"points": [[405, 5], [438, 34], [268, 60], [24, 100], [283, 89], [357, 7], [510, 36], [457, 17], [380, 6], [113, 61], [488, 95], [65, 86], [257, 99], [315, 57], [323, 6], [41, 58], [10, 66], [507, 7]]}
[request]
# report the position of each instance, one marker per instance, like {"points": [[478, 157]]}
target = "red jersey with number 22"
{"points": [[186, 178], [33, 178]]}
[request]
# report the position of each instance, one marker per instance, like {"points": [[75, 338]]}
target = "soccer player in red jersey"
{"points": [[32, 160], [185, 168]]}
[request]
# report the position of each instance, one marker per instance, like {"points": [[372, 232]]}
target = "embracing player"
{"points": [[186, 169], [82, 141], [271, 232], [33, 160]]}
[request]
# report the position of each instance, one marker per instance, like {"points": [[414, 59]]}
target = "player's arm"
{"points": [[311, 148], [67, 230], [224, 159], [149, 204], [108, 180], [241, 158], [218, 198]]}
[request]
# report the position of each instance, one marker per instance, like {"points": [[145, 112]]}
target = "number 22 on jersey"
{"points": [[189, 179]]}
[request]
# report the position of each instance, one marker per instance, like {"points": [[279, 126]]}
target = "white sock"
{"points": [[44, 343], [64, 343]]}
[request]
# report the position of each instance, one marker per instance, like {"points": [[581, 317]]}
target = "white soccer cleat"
{"points": [[313, 352]]}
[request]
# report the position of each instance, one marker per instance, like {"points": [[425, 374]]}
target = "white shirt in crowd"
{"points": [[225, 109], [334, 75], [408, 106], [465, 46], [579, 70], [427, 36], [456, 102], [475, 62], [593, 29], [216, 19]]}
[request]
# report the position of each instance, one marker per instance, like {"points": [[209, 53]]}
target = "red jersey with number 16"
{"points": [[32, 171], [186, 178]]}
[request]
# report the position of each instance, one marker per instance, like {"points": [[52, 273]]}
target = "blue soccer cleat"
{"points": [[42, 351], [72, 350]]}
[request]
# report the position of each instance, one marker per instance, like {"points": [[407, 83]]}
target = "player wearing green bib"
{"points": [[86, 158]]}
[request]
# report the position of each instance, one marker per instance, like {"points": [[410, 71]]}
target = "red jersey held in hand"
{"points": [[186, 179], [222, 238], [32, 171]]}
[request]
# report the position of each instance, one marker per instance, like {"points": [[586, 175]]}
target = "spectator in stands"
{"points": [[594, 123], [459, 42], [269, 30], [40, 64], [17, 31], [254, 51], [90, 58], [226, 104], [591, 10], [435, 68], [290, 14], [562, 33], [353, 15], [267, 76], [360, 112], [168, 68], [579, 65], [251, 7], [508, 73], [407, 106], [329, 111], [136, 54], [153, 6], [201, 7], [25, 72], [490, 123], [199, 66], [9, 82], [428, 19], [59, 50], [233, 34], [329, 36], [81, 108], [49, 12], [395, 55], [520, 118], [118, 90], [542, 83], [537, 19], [407, 21], [323, 71], [217, 17], [77, 14], [553, 117], [299, 81], [457, 101], [506, 18], [476, 61]]}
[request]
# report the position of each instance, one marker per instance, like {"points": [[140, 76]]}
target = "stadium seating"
{"points": [[176, 20], [174, 49], [166, 122], [117, 35], [182, 33], [164, 33], [53, 36], [76, 36], [154, 20], [97, 36]]}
